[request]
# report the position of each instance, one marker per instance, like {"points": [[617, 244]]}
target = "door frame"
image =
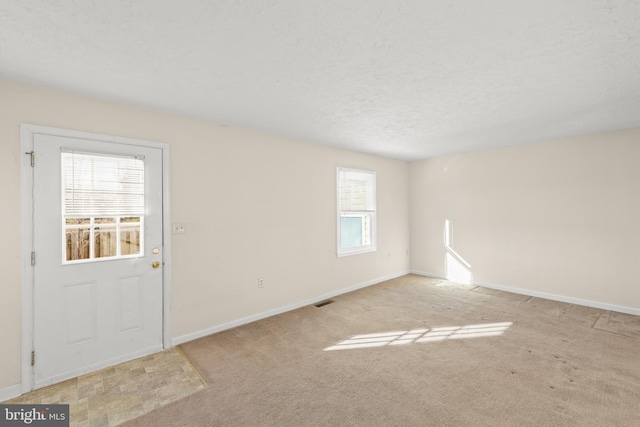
{"points": [[27, 133]]}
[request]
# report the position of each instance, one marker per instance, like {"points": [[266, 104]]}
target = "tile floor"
{"points": [[119, 393]]}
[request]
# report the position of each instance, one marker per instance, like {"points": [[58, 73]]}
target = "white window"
{"points": [[103, 207], [356, 211]]}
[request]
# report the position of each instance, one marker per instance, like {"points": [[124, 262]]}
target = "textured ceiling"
{"points": [[403, 79]]}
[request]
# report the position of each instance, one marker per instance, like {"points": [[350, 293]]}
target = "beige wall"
{"points": [[559, 217], [253, 205]]}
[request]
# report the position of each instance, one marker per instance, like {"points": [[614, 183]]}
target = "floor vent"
{"points": [[323, 303]]}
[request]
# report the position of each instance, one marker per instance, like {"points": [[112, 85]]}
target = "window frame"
{"points": [[371, 214], [87, 210]]}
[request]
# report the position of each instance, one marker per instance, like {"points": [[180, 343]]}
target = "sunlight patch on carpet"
{"points": [[422, 335]]}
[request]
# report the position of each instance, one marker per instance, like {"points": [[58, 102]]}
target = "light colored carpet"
{"points": [[415, 351], [503, 294], [620, 323]]}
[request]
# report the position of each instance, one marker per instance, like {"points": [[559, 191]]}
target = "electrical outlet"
{"points": [[260, 283], [178, 228]]}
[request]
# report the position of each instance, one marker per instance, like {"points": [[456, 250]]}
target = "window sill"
{"points": [[356, 251]]}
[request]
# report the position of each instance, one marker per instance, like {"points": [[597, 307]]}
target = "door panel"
{"points": [[93, 313], [130, 304], [79, 301]]}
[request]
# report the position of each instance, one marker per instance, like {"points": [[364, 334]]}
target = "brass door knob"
{"points": [[155, 264]]}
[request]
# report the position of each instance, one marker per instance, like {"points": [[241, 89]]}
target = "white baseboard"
{"points": [[10, 392], [562, 298], [427, 274], [229, 325], [545, 295]]}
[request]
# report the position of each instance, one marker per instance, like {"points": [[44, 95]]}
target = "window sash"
{"points": [[356, 191], [360, 231]]}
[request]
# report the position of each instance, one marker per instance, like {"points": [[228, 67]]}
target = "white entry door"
{"points": [[98, 251]]}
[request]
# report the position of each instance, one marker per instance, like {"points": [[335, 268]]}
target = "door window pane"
{"points": [[105, 220], [76, 221], [129, 239], [77, 243], [106, 243]]}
